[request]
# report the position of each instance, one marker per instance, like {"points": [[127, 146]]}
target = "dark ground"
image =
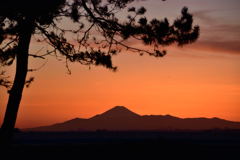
{"points": [[214, 144]]}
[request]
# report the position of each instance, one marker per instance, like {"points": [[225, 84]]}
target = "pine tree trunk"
{"points": [[15, 94]]}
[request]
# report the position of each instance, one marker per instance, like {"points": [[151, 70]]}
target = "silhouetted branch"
{"points": [[29, 82], [85, 34], [8, 44], [36, 69], [3, 80], [36, 56]]}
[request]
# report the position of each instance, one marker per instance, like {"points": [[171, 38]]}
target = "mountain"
{"points": [[117, 112], [120, 118]]}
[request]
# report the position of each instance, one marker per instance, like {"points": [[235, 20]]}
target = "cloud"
{"points": [[229, 47], [225, 31], [218, 33], [216, 16], [204, 16], [221, 37]]}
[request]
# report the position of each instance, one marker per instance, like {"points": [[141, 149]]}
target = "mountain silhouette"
{"points": [[117, 112], [120, 118]]}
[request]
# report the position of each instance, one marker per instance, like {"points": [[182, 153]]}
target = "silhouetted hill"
{"points": [[120, 118], [117, 112]]}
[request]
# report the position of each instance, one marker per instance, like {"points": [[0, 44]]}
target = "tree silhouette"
{"points": [[99, 34]]}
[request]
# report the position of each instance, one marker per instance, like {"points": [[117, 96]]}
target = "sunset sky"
{"points": [[198, 80]]}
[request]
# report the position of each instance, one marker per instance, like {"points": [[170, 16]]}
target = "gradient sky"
{"points": [[198, 80]]}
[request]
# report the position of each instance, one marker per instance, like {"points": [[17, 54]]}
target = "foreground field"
{"points": [[212, 144]]}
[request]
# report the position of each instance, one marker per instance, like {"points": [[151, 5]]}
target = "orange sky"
{"points": [[199, 80]]}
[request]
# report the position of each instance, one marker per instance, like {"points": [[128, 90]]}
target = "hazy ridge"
{"points": [[120, 118]]}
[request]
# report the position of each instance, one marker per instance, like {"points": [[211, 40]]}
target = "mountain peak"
{"points": [[117, 112], [119, 108]]}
